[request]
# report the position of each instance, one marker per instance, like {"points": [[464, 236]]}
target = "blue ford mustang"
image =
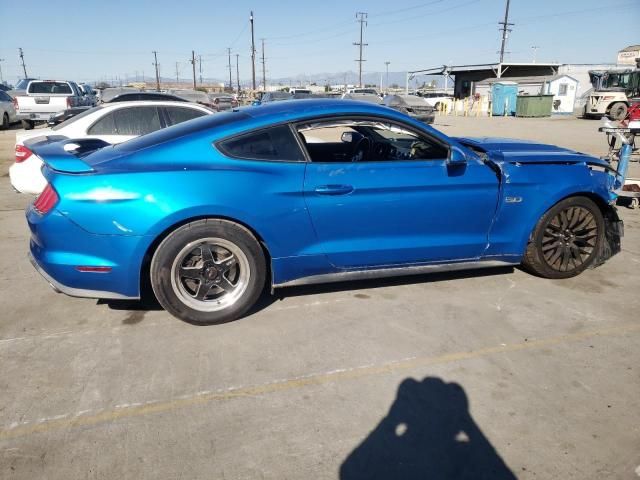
{"points": [[212, 211]]}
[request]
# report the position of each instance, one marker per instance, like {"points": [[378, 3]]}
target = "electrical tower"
{"points": [[505, 31], [155, 64], [24, 67], [362, 18], [253, 55]]}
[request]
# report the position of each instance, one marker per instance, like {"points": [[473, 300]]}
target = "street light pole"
{"points": [[387, 81]]}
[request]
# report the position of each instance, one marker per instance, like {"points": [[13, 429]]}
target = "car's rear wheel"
{"points": [[209, 271], [566, 240], [5, 121]]}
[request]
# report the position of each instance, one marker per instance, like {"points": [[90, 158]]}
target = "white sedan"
{"points": [[7, 110], [113, 123]]}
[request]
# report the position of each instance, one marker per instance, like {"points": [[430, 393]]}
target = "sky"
{"points": [[102, 40]]}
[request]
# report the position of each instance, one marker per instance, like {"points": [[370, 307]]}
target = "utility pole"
{"points": [[253, 55], [1, 60], [535, 52], [238, 73], [505, 32], [387, 81], [264, 70], [193, 66], [24, 68], [155, 64], [230, 81], [363, 21], [177, 74], [200, 67]]}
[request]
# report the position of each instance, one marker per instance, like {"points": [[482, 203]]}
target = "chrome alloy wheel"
{"points": [[210, 274], [569, 239]]}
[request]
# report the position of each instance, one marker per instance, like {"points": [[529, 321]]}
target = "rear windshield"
{"points": [[208, 122], [68, 122], [50, 88]]}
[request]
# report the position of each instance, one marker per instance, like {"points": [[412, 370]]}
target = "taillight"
{"points": [[46, 200], [68, 102], [22, 153], [15, 103]]}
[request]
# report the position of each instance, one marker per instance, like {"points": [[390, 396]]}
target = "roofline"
{"points": [[139, 103]]}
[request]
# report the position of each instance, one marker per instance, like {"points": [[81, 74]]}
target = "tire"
{"points": [[618, 111], [5, 121], [566, 240], [208, 271], [27, 124]]}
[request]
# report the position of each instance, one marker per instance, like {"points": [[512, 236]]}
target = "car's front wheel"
{"points": [[566, 240], [208, 271]]}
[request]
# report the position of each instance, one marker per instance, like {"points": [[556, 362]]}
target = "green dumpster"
{"points": [[534, 105]]}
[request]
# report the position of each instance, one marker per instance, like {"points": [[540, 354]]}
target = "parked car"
{"points": [[222, 101], [20, 88], [44, 98], [269, 97], [437, 99], [363, 97], [4, 87], [113, 123], [412, 105], [90, 98], [366, 91], [60, 117], [195, 96], [7, 110], [216, 210], [142, 96]]}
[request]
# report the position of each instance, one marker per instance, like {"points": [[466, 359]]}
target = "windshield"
{"points": [[623, 81], [68, 122]]}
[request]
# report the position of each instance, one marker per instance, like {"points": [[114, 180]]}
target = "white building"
{"points": [[564, 90]]}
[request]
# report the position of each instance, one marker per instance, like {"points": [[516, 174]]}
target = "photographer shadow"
{"points": [[427, 434]]}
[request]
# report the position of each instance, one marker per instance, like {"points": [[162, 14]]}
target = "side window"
{"points": [[181, 114], [105, 126], [4, 97], [359, 140], [274, 143], [128, 121]]}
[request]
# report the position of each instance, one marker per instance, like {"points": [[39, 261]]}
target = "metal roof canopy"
{"points": [[498, 69]]}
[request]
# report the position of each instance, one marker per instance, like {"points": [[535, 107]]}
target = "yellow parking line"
{"points": [[127, 411]]}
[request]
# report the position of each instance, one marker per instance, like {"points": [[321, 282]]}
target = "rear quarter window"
{"points": [[273, 143]]}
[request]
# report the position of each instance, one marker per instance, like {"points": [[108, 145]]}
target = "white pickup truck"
{"points": [[43, 98]]}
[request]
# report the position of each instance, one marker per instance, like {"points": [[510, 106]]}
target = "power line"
{"points": [[363, 20], [24, 67], [155, 64], [505, 31]]}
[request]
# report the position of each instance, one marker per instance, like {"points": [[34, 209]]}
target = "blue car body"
{"points": [[314, 220]]}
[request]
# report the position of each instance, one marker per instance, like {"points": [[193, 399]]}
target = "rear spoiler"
{"points": [[66, 156]]}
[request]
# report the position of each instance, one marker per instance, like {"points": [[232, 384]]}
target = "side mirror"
{"points": [[456, 156], [347, 137]]}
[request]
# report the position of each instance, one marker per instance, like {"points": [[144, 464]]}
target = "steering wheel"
{"points": [[361, 150]]}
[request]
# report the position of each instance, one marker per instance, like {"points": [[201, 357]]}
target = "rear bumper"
{"points": [[58, 247], [73, 291], [35, 116]]}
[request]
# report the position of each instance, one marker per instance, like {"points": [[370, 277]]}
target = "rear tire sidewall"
{"points": [[5, 121], [534, 259], [169, 248], [618, 111]]}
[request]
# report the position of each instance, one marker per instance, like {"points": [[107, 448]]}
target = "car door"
{"points": [[125, 123], [391, 207]]}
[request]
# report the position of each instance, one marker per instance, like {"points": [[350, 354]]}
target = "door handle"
{"points": [[333, 189]]}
